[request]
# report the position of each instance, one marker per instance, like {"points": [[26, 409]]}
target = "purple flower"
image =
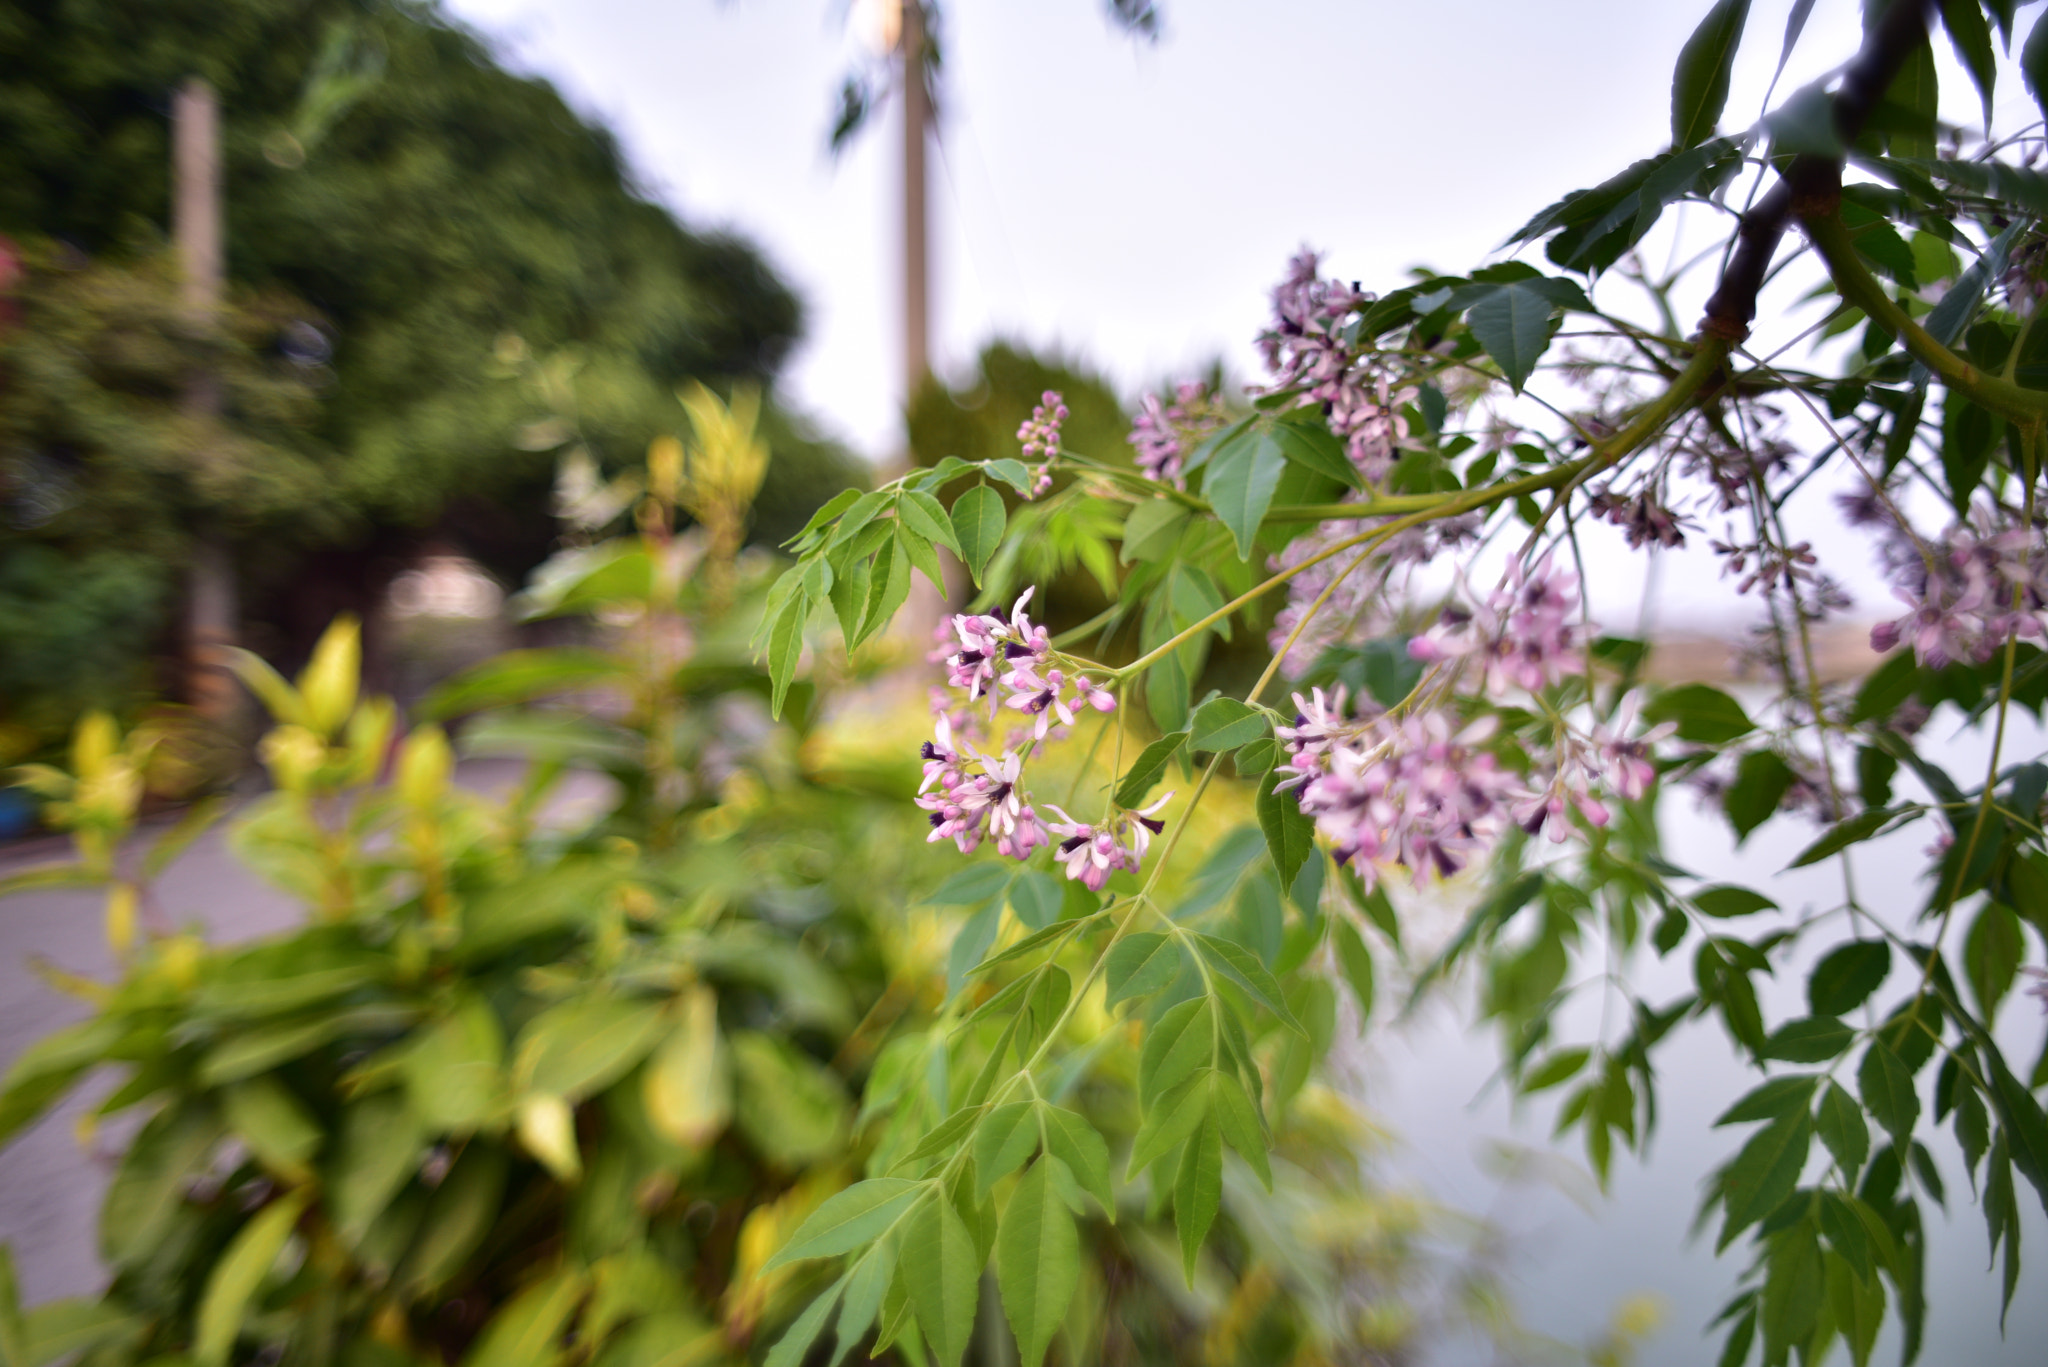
{"points": [[1091, 853], [1162, 435], [1524, 632], [1627, 760]]}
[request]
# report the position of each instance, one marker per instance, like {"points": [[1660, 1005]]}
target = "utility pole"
{"points": [[211, 607], [917, 118]]}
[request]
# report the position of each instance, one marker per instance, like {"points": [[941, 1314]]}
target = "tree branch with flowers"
{"points": [[1495, 735]]}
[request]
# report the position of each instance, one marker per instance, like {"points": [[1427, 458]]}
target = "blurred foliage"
{"points": [[532, 1089], [398, 205]]}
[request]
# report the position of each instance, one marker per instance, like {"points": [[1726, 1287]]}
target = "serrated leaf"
{"points": [[1290, 833], [1139, 964], [978, 521], [1004, 1139], [1356, 960], [1699, 83], [1198, 1189], [1223, 724], [1172, 1119], [1845, 978], [1240, 481], [1038, 1262], [1778, 1097], [1178, 1043], [849, 1219], [1070, 1138], [1843, 834], [785, 649], [1152, 530], [1241, 1124], [1764, 1173], [1137, 781], [1242, 967], [943, 1275], [927, 517], [1813, 1040], [1888, 1092], [795, 1344], [1512, 322]]}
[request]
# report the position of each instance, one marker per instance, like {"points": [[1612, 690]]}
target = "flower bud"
{"points": [[294, 756], [424, 763], [547, 1129], [329, 684]]}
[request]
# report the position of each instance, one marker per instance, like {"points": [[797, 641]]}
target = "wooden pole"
{"points": [[917, 117], [212, 609]]}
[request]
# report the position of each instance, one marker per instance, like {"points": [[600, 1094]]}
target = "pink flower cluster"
{"points": [[971, 795], [1309, 348], [1524, 634], [1164, 433], [1411, 792], [1360, 604], [1968, 593], [1420, 792], [1040, 434]]}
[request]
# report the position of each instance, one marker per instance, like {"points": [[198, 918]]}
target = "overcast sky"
{"points": [[1133, 203]]}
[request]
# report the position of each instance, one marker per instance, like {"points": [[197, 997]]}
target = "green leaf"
{"points": [[13, 1330], [1971, 37], [1145, 770], [520, 676], [1727, 900], [1071, 1139], [1813, 1040], [865, 1287], [581, 1046], [1794, 1283], [1704, 715], [927, 517], [1356, 961], [1845, 978], [973, 885], [1038, 1262], [1771, 1100], [1172, 1119], [1560, 1067], [1764, 1173], [1761, 781], [1991, 956], [1311, 446], [1242, 967], [527, 1332], [2025, 1128], [1699, 84], [454, 1072], [849, 1219], [1178, 1043], [1888, 1092], [785, 649], [272, 1122], [69, 1329], [1012, 472], [888, 586], [795, 1344], [1139, 964], [148, 1189], [834, 506], [943, 1275], [1198, 1190], [1290, 834], [857, 516], [1242, 1127], [978, 522], [236, 1277], [1037, 898], [1153, 530], [464, 1209], [1240, 481], [377, 1150], [1223, 724], [1005, 1138], [50, 1067], [1512, 322], [1843, 834]]}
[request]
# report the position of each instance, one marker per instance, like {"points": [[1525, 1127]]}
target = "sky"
{"points": [[1131, 204]]}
